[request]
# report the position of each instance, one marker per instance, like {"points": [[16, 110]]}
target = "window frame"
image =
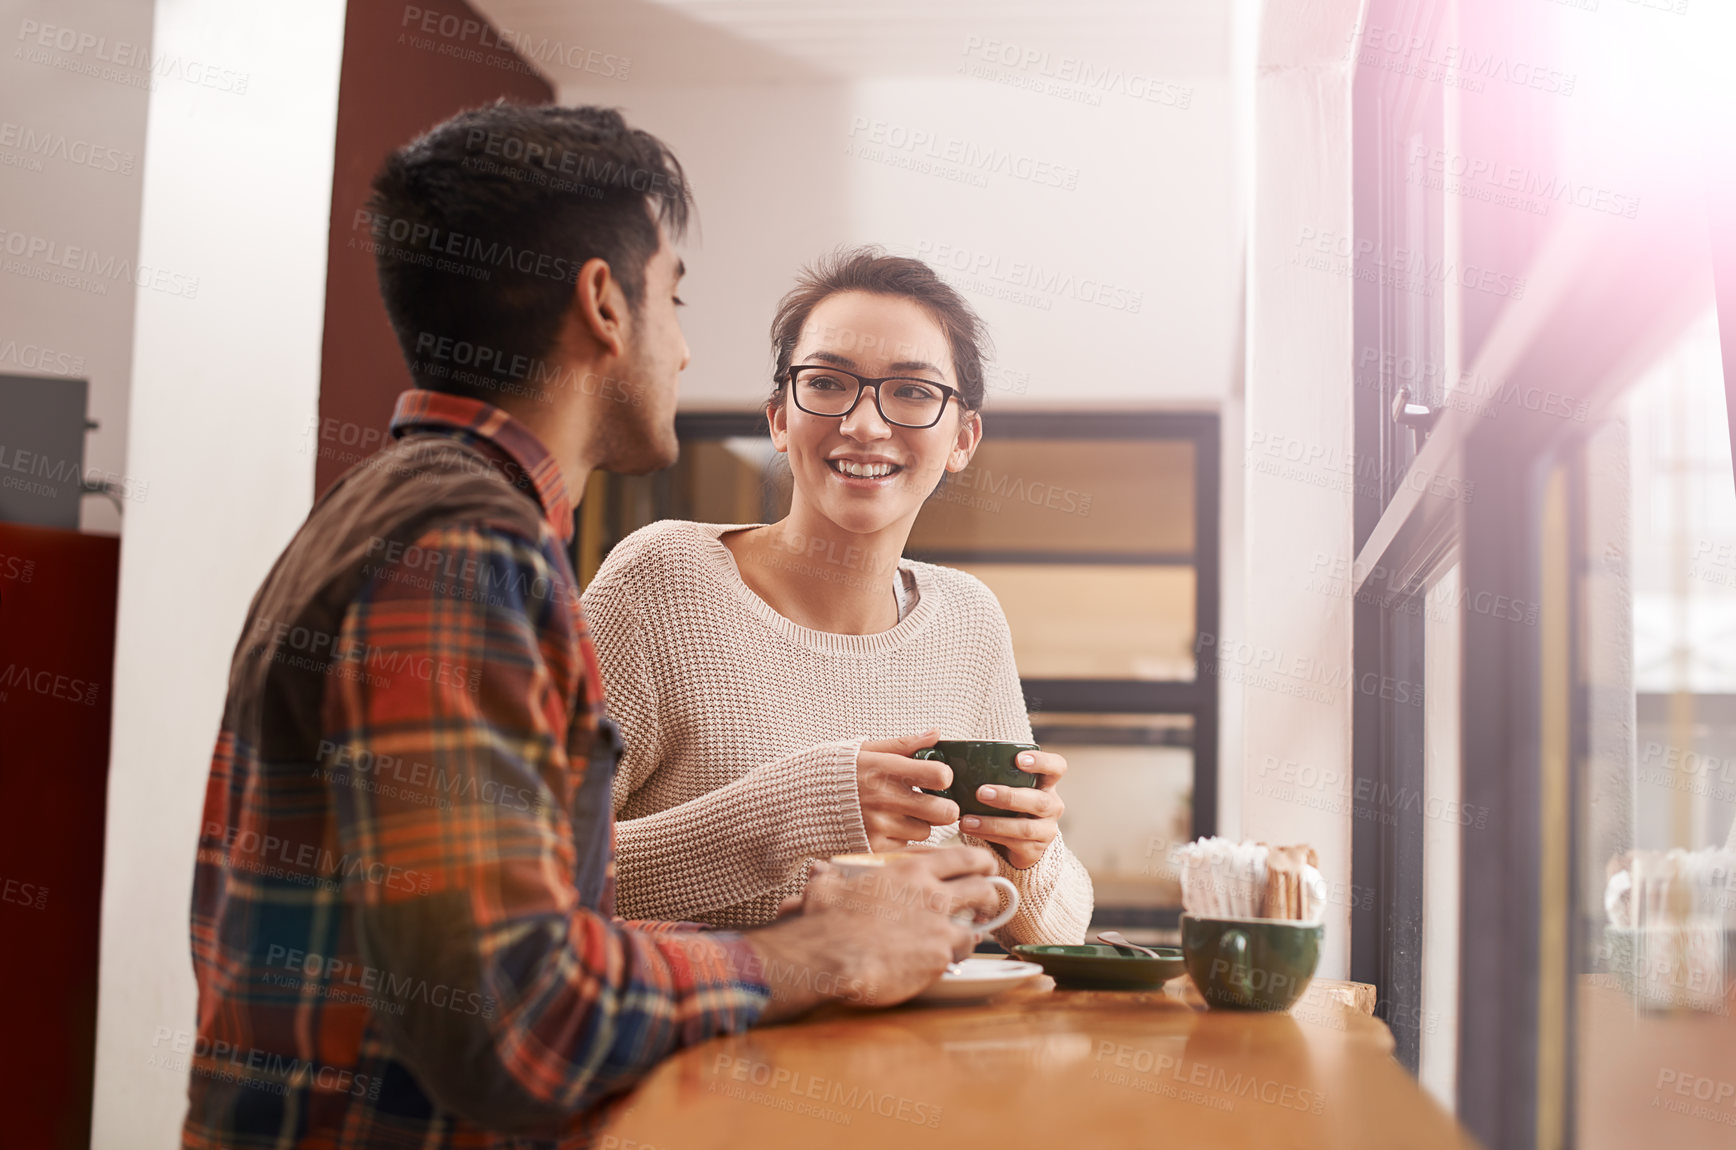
{"points": [[1587, 335], [1391, 112]]}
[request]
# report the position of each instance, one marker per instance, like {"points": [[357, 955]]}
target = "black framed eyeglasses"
{"points": [[820, 389]]}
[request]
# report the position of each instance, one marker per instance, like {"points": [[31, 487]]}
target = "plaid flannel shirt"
{"points": [[402, 922]]}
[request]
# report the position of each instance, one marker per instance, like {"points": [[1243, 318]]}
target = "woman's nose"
{"points": [[864, 423]]}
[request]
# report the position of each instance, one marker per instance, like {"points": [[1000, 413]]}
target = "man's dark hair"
{"points": [[481, 226], [870, 269]]}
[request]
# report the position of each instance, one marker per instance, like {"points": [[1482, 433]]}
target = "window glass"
{"points": [[1079, 621], [1445, 821], [1066, 497], [1656, 981], [1129, 792]]}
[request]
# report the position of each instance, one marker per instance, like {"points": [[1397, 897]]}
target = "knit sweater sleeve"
{"points": [[1055, 895], [732, 844], [743, 840]]}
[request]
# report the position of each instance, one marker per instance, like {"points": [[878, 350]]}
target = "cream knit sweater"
{"points": [[742, 729]]}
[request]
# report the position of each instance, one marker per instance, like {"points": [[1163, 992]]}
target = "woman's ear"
{"points": [[970, 434], [777, 421]]}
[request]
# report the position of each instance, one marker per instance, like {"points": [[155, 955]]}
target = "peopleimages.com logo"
{"points": [[120, 61], [460, 32], [41, 144], [72, 259], [67, 688]]}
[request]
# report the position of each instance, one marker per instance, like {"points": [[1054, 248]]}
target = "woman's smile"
{"points": [[864, 473]]}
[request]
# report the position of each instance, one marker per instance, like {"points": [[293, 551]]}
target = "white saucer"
{"points": [[978, 978]]}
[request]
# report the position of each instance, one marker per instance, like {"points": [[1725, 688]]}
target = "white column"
{"points": [[237, 194], [1293, 654]]}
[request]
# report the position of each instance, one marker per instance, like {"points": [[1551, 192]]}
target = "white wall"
{"points": [[237, 190], [784, 172], [72, 150]]}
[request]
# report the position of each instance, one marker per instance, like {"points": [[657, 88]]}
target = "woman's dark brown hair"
{"points": [[870, 269]]}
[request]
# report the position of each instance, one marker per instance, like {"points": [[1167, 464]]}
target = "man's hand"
{"points": [[894, 812], [1023, 840], [874, 936]]}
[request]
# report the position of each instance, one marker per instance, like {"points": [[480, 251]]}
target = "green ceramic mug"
{"points": [[1250, 963], [980, 763]]}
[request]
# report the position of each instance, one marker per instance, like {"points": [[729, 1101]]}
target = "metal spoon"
{"points": [[1114, 938]]}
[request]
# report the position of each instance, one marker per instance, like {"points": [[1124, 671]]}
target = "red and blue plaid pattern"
{"points": [[402, 922]]}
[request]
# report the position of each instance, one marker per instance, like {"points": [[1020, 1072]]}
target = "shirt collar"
{"points": [[532, 469]]}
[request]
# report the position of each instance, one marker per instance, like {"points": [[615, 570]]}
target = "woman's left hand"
{"points": [[1022, 841]]}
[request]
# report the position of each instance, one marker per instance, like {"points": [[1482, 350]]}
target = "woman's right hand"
{"points": [[893, 812]]}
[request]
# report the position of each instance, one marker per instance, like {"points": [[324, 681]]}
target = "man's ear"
{"points": [[601, 306], [970, 434], [777, 422]]}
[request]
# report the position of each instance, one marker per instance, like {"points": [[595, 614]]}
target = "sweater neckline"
{"points": [[827, 642]]}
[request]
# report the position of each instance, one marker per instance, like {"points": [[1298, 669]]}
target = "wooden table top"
{"points": [[1043, 1067]]}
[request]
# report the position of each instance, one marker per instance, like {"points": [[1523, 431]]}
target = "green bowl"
{"points": [[1251, 963], [1098, 966]]}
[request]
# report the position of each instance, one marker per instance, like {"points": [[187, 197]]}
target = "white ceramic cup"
{"points": [[861, 864]]}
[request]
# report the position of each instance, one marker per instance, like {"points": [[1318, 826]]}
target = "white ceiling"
{"points": [[764, 41]]}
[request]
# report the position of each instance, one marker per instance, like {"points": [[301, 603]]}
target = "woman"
{"points": [[756, 670]]}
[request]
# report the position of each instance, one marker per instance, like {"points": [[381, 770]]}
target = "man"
{"points": [[402, 926]]}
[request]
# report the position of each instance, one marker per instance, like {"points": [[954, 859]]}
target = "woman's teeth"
{"points": [[863, 470]]}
